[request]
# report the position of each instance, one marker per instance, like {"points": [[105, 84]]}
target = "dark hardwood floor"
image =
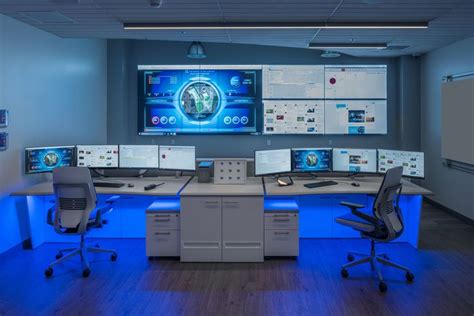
{"points": [[310, 285]]}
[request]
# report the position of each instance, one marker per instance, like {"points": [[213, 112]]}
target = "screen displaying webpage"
{"points": [[354, 160], [138, 156], [178, 157], [272, 161], [413, 162], [97, 156]]}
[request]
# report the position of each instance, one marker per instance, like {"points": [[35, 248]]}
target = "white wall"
{"points": [[453, 188], [55, 90]]}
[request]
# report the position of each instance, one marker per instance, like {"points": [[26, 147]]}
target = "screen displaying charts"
{"points": [[272, 161], [45, 159], [356, 82], [178, 158], [311, 159], [413, 162], [197, 101], [354, 160], [293, 117], [97, 156], [293, 82], [138, 156], [356, 117]]}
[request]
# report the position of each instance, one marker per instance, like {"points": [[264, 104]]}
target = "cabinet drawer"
{"points": [[281, 243], [281, 221], [163, 244], [162, 221]]}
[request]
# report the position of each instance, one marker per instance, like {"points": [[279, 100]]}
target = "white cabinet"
{"points": [[281, 228], [162, 234], [242, 229], [201, 229]]}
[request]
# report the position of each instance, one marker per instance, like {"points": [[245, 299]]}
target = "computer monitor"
{"points": [[354, 160], [139, 156], [181, 158], [272, 161], [311, 159], [46, 159], [413, 162], [97, 156]]}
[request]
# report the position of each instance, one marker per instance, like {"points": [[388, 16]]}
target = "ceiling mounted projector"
{"points": [[330, 54], [196, 51]]}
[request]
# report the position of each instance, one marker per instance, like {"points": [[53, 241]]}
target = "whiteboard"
{"points": [[457, 121]]}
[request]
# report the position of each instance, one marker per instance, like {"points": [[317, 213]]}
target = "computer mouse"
{"points": [[355, 184], [131, 185]]}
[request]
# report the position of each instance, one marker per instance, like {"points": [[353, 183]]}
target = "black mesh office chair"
{"points": [[75, 213], [386, 224]]}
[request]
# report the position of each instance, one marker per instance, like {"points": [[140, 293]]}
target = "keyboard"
{"points": [[320, 184], [103, 184]]}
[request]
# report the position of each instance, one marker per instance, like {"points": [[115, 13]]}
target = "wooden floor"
{"points": [[310, 285]]}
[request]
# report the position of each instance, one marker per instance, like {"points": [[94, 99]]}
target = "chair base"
{"points": [[375, 260], [83, 250]]}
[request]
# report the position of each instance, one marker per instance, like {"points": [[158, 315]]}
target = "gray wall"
{"points": [[125, 55], [54, 90], [453, 189]]}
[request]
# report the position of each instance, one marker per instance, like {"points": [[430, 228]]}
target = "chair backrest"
{"points": [[75, 199], [386, 206]]}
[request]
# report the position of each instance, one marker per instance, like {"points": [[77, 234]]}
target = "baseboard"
{"points": [[465, 219]]}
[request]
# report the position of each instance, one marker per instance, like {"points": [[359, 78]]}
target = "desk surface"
{"points": [[253, 187], [368, 185], [171, 187]]}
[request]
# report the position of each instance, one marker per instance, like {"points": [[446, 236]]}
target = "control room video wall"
{"points": [[268, 99]]}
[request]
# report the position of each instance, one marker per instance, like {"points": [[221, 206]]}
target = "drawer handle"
{"points": [[167, 233], [281, 219], [231, 202], [211, 202], [163, 215], [163, 220], [281, 215], [282, 233]]}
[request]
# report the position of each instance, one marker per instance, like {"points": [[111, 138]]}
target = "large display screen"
{"points": [[354, 160], [191, 101], [311, 159], [356, 117], [97, 156], [413, 162], [293, 117], [45, 159], [276, 161], [355, 82]]}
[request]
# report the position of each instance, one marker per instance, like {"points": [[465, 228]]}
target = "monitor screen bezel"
{"points": [[269, 174], [356, 172], [74, 157]]}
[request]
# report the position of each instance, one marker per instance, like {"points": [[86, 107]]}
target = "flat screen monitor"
{"points": [[311, 159], [413, 162], [193, 100], [138, 156], [97, 156], [354, 160], [46, 159], [272, 162], [178, 158]]}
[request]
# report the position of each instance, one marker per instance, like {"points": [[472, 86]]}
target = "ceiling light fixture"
{"points": [[330, 54], [274, 25], [196, 51], [347, 46]]}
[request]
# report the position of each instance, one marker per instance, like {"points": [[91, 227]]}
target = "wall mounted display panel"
{"points": [[355, 117], [191, 99], [293, 82], [355, 82], [293, 117]]}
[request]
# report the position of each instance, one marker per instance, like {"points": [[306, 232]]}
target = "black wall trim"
{"points": [[465, 219]]}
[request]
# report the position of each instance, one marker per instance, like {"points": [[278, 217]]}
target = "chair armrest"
{"points": [[352, 205], [364, 216]]}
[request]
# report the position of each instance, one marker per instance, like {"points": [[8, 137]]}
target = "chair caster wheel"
{"points": [[113, 257], [350, 258], [59, 255], [48, 272], [344, 273], [86, 272], [409, 276], [383, 287]]}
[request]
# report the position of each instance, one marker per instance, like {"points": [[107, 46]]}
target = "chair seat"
{"points": [[355, 222]]}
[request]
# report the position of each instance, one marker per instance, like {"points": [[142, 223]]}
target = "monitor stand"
{"points": [[355, 175], [178, 174], [141, 173]]}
